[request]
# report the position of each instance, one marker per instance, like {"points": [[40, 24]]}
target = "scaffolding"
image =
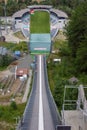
{"points": [[80, 103]]}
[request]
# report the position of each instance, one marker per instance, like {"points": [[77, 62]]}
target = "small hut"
{"points": [[73, 80], [20, 72]]}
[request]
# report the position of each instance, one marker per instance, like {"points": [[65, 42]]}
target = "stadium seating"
{"points": [[26, 24]]}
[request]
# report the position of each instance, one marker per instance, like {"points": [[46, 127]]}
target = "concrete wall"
{"points": [[18, 23], [61, 23]]}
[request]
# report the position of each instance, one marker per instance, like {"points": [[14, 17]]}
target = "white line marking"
{"points": [[41, 122]]}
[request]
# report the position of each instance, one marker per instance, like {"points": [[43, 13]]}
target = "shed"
{"points": [[57, 60], [3, 51], [73, 80], [21, 72], [18, 53]]}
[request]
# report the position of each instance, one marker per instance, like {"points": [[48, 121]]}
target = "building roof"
{"points": [[40, 6], [73, 80], [59, 13], [22, 71], [20, 13]]}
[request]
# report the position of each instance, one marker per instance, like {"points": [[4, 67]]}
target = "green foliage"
{"points": [[71, 93], [13, 105], [1, 111], [22, 46], [77, 28], [7, 45], [73, 54], [13, 5], [9, 114], [1, 10], [40, 22], [77, 36], [69, 3], [58, 74], [81, 59], [5, 60], [46, 2], [83, 79], [66, 9], [58, 91]]}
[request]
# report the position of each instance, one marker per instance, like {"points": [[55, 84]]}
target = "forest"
{"points": [[11, 6], [73, 51], [73, 54]]}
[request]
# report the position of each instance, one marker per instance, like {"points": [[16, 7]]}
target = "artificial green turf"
{"points": [[40, 22], [39, 52]]}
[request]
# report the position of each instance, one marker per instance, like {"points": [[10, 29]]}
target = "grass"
{"points": [[8, 114], [5, 98], [40, 22], [7, 45], [19, 35], [39, 52], [3, 68]]}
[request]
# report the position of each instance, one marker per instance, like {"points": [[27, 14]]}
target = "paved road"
{"points": [[38, 114], [24, 62]]}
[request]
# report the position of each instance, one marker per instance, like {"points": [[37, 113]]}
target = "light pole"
{"points": [[5, 17], [0, 28]]}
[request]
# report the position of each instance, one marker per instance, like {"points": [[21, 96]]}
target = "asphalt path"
{"points": [[23, 62]]}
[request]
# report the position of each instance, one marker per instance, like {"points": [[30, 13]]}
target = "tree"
{"points": [[77, 28], [77, 36], [12, 7], [5, 60], [13, 105], [81, 60]]}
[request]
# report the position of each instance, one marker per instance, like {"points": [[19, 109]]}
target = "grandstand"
{"points": [[58, 19]]}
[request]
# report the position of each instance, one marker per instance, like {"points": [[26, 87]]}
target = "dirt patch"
{"points": [[6, 126], [61, 36], [4, 73]]}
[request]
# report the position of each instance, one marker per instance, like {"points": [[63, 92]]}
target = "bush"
{"points": [[13, 105], [1, 111]]}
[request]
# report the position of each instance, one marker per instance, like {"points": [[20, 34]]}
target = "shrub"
{"points": [[13, 105]]}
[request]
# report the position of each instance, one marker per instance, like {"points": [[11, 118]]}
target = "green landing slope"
{"points": [[40, 22]]}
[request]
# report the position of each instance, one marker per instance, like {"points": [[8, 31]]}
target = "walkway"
{"points": [[27, 87]]}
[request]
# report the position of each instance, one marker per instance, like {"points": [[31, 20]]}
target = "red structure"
{"points": [[22, 71]]}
